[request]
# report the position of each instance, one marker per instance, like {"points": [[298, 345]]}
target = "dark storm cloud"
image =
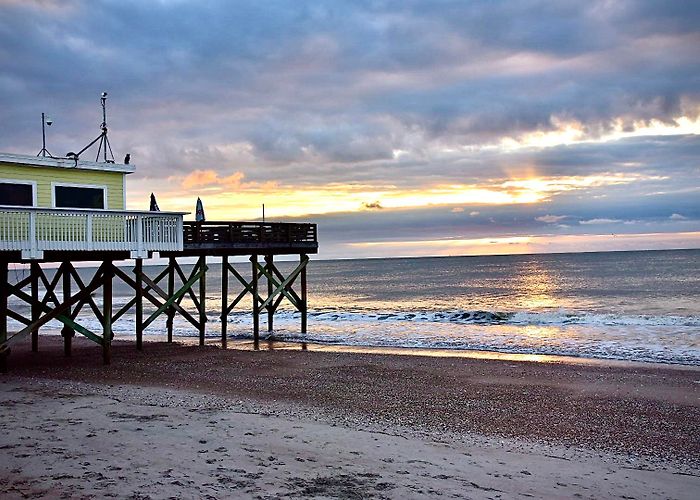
{"points": [[342, 81], [673, 157], [650, 155]]}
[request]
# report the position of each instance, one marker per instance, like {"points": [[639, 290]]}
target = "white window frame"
{"points": [[103, 187], [25, 182]]}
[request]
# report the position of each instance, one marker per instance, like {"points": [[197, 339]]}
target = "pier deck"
{"points": [[247, 238]]}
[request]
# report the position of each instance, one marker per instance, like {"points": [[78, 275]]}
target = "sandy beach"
{"points": [[184, 421]]}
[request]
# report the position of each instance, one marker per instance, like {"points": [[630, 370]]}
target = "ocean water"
{"points": [[642, 306]]}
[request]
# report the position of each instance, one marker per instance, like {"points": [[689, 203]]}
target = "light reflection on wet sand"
{"points": [[274, 345]]}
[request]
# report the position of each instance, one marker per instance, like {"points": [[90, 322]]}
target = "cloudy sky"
{"points": [[401, 127]]}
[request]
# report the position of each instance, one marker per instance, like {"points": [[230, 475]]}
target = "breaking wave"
{"points": [[477, 317]]}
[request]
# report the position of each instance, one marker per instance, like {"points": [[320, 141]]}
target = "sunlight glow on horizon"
{"points": [[231, 197], [531, 244]]}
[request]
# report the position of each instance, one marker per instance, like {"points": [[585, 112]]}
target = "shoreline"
{"points": [[447, 353], [265, 344]]}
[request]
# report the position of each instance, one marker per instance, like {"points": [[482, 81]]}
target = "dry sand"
{"points": [[177, 421]]}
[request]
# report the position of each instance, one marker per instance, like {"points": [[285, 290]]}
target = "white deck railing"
{"points": [[33, 230]]}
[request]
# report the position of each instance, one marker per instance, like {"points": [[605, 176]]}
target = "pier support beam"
{"points": [[66, 332], [107, 312], [256, 305], [269, 264], [34, 270], [4, 292], [202, 299], [303, 304], [224, 301], [171, 291], [139, 303]]}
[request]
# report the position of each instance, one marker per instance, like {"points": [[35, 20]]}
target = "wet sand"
{"points": [[178, 420]]}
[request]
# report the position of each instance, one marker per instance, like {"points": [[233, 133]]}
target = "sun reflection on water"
{"points": [[540, 332], [537, 287]]}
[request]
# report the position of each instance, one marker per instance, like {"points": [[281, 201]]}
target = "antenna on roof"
{"points": [[45, 120], [104, 144]]}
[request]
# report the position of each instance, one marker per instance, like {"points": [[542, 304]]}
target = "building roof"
{"points": [[47, 161]]}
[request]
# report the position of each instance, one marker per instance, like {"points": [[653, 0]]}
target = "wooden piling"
{"points": [[138, 270], [4, 292], [171, 291], [34, 271], [270, 307], [256, 305], [107, 312], [303, 304], [202, 299], [66, 332], [224, 300]]}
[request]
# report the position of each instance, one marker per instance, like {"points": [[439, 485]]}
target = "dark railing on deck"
{"points": [[249, 233]]}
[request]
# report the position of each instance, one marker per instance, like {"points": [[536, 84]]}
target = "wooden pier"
{"points": [[42, 238]]}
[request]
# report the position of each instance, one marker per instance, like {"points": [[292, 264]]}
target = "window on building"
{"points": [[79, 197], [16, 194]]}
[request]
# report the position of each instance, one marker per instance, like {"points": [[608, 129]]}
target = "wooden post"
{"points": [[107, 313], [303, 295], [171, 292], [270, 307], [224, 300], [34, 271], [66, 332], [4, 290], [202, 299], [256, 305], [139, 303]]}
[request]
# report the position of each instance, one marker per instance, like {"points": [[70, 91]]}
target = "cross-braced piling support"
{"points": [[56, 291], [63, 293], [168, 303], [64, 306], [276, 284]]}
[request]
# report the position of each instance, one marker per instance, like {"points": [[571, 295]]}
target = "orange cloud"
{"points": [[206, 178]]}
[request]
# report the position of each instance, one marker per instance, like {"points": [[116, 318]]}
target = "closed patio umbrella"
{"points": [[199, 213], [154, 204]]}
